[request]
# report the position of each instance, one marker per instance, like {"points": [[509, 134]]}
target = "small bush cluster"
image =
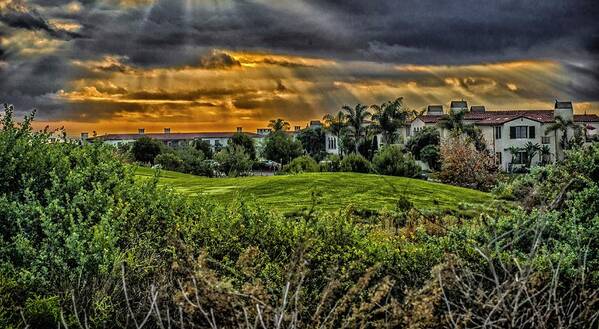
{"points": [[355, 163], [391, 160], [301, 164]]}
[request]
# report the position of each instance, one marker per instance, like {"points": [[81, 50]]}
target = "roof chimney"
{"points": [[141, 131], [167, 130], [434, 110], [564, 110], [239, 129]]}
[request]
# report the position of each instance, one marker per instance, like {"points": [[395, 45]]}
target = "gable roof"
{"points": [[502, 116]]}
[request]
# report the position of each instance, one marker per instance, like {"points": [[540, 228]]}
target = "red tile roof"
{"points": [[503, 116]]}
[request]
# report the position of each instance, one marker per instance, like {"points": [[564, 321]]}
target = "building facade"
{"points": [[507, 130]]}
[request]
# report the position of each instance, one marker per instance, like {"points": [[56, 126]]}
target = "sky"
{"points": [[213, 65]]}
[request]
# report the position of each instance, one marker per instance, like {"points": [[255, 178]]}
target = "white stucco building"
{"points": [[504, 129]]}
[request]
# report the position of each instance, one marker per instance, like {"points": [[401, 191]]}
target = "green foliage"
{"points": [[431, 154], [204, 147], [332, 163], [355, 163], [169, 161], [233, 161], [247, 143], [390, 160], [313, 141], [146, 149], [301, 164], [424, 145], [281, 148]]}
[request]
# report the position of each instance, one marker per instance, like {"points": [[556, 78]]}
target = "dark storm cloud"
{"points": [[18, 15], [178, 33]]}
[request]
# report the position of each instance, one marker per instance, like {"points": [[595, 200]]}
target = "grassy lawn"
{"points": [[333, 191]]}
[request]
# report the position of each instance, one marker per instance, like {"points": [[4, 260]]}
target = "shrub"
{"points": [[233, 161], [355, 163], [301, 164], [169, 161], [332, 163], [390, 160], [464, 165], [146, 149]]}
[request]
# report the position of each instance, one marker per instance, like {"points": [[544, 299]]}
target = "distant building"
{"points": [[504, 129]]}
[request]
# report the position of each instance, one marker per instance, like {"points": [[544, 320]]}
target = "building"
{"points": [[504, 130], [216, 139]]}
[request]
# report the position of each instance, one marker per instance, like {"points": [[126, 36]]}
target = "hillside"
{"points": [[332, 191]]}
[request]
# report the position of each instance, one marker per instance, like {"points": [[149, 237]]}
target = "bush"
{"points": [[464, 165], [355, 163], [390, 160], [332, 163], [301, 164], [233, 161], [146, 149], [169, 161]]}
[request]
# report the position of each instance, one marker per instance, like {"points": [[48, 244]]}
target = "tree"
{"points": [[146, 149], [531, 150], [545, 154], [454, 121], [233, 161], [301, 164], [389, 117], [562, 125], [356, 118], [431, 154], [355, 163], [313, 141], [245, 141], [336, 124], [204, 147], [423, 138], [281, 148], [278, 125]]}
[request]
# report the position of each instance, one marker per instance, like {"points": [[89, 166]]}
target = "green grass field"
{"points": [[332, 191]]}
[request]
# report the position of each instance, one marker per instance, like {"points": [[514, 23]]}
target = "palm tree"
{"points": [[531, 150], [335, 123], [356, 118], [545, 154], [562, 125], [514, 152], [453, 122], [389, 117], [278, 125]]}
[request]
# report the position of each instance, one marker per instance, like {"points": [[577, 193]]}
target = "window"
{"points": [[408, 132], [546, 140], [498, 133], [332, 143], [217, 142], [518, 132], [498, 158], [520, 158]]}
